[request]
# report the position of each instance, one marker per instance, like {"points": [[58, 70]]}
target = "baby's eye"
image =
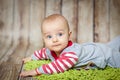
{"points": [[60, 34], [49, 36]]}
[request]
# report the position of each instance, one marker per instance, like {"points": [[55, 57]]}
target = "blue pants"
{"points": [[114, 61], [115, 43]]}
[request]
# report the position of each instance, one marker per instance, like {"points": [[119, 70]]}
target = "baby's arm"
{"points": [[38, 55], [65, 61]]}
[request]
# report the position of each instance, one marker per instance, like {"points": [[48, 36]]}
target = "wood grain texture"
{"points": [[114, 18], [6, 20], [8, 72], [37, 13], [53, 7], [69, 10], [21, 24], [6, 25], [85, 21], [101, 16]]}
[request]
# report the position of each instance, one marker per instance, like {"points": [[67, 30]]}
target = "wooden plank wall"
{"points": [[20, 20]]}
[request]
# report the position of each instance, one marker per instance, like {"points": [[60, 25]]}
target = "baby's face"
{"points": [[56, 35]]}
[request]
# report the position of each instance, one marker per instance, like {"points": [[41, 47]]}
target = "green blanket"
{"points": [[97, 74]]}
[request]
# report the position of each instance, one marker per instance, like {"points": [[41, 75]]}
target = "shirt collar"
{"points": [[69, 43]]}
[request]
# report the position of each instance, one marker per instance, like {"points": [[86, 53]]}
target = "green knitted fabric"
{"points": [[97, 74]]}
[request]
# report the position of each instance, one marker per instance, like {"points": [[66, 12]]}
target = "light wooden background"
{"points": [[20, 20]]}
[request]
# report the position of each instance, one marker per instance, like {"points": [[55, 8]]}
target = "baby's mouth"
{"points": [[56, 45]]}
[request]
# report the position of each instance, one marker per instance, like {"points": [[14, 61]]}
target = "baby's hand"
{"points": [[29, 73], [27, 59]]}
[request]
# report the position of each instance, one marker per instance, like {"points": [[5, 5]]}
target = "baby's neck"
{"points": [[57, 53]]}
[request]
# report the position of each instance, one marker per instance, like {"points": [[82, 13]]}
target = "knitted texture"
{"points": [[97, 74]]}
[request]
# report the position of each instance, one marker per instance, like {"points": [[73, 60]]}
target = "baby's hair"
{"points": [[55, 17]]}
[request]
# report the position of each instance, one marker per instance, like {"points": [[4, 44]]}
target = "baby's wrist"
{"points": [[37, 71], [30, 58]]}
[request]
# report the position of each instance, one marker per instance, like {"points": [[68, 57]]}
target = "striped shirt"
{"points": [[61, 63]]}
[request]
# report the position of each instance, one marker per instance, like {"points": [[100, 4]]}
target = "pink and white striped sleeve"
{"points": [[66, 61], [40, 54]]}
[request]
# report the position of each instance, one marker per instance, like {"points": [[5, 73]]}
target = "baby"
{"points": [[64, 54]]}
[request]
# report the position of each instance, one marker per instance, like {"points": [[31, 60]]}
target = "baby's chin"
{"points": [[57, 50]]}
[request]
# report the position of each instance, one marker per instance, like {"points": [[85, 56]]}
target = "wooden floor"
{"points": [[11, 61], [10, 71]]}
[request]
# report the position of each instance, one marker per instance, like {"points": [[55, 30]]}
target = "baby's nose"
{"points": [[55, 39]]}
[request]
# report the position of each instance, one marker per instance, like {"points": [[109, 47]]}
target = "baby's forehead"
{"points": [[54, 26], [55, 19]]}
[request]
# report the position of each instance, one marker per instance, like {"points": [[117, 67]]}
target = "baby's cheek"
{"points": [[48, 45]]}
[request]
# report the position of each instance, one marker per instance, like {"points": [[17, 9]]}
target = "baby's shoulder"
{"points": [[75, 47]]}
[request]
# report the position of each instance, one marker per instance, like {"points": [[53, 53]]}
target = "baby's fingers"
{"points": [[25, 74], [26, 59]]}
